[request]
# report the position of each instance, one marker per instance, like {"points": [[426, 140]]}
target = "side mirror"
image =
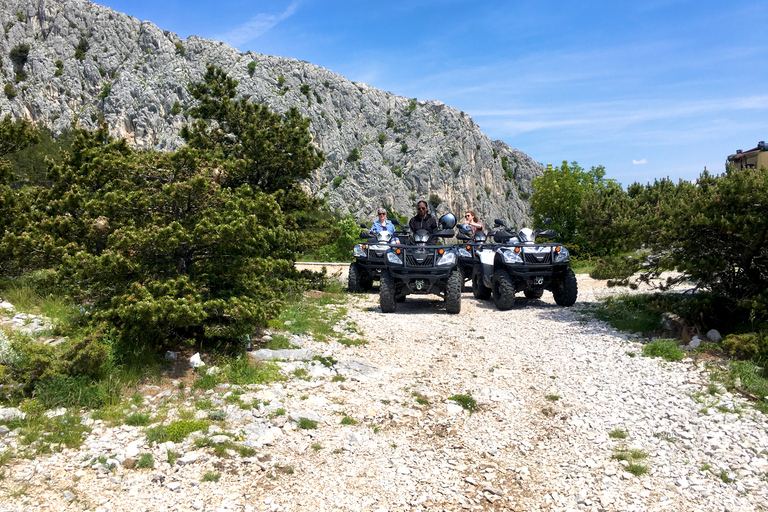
{"points": [[547, 221], [363, 226], [395, 222], [499, 222]]}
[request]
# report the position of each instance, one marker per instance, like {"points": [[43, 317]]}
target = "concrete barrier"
{"points": [[337, 270]]}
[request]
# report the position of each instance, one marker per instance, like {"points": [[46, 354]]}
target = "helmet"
{"points": [[447, 221]]}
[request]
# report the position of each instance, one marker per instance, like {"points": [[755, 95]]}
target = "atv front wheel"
{"points": [[453, 292], [503, 290], [479, 290], [355, 273], [567, 290], [387, 293]]}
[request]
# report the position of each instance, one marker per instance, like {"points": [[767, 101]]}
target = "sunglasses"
{"points": [[421, 208], [467, 216], [382, 213]]}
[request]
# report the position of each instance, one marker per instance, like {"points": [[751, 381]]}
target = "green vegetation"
{"points": [[307, 424], [179, 47], [465, 401], [617, 434], [176, 431], [210, 476], [81, 49], [9, 90], [354, 155], [665, 349], [251, 68]]}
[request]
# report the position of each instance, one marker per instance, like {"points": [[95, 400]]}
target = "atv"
{"points": [[418, 267], [467, 247], [517, 263], [369, 258]]}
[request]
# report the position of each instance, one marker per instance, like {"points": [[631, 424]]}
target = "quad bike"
{"points": [[467, 248], [369, 258], [417, 267], [517, 263]]}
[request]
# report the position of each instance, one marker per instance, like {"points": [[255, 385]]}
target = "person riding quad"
{"points": [[383, 224], [473, 221], [423, 220]]}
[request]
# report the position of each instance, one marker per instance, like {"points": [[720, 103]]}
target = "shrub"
{"points": [[19, 55], [179, 47], [747, 346], [434, 200], [176, 109], [307, 424], [404, 148], [81, 49], [176, 431], [10, 92], [354, 155], [105, 91], [251, 68], [337, 181], [382, 139]]}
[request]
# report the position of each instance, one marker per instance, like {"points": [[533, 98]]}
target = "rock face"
{"points": [[86, 62]]}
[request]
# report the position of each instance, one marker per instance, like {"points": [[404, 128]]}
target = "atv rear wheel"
{"points": [[479, 290], [534, 293], [567, 290], [453, 292], [503, 290], [387, 293]]}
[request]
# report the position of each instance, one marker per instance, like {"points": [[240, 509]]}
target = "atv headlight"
{"points": [[464, 253], [511, 256], [448, 258], [394, 258], [562, 254], [358, 251]]}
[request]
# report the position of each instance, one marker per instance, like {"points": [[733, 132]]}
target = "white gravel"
{"points": [[550, 388]]}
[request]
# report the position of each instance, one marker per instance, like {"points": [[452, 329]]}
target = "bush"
{"points": [[179, 47], [19, 55], [354, 155], [251, 68], [10, 92], [81, 49], [434, 200], [747, 346]]}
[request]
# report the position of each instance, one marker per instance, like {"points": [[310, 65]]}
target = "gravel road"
{"points": [[550, 388]]}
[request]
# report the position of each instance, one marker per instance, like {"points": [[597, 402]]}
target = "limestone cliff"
{"points": [[73, 60]]}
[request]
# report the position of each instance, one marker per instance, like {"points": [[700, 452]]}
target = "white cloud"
{"points": [[255, 27], [640, 162]]}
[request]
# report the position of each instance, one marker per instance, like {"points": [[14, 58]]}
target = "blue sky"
{"points": [[648, 89]]}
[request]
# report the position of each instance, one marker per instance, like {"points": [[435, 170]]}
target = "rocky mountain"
{"points": [[67, 61]]}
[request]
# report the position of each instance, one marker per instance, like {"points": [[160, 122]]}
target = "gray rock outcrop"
{"points": [[86, 63]]}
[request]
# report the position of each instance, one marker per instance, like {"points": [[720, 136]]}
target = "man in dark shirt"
{"points": [[423, 220]]}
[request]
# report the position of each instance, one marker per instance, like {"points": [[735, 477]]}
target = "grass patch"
{"points": [[617, 434], [138, 419], [317, 447], [176, 431], [307, 424], [145, 461], [346, 420], [630, 313], [553, 398], [665, 349], [465, 401], [636, 469], [210, 476], [319, 316]]}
